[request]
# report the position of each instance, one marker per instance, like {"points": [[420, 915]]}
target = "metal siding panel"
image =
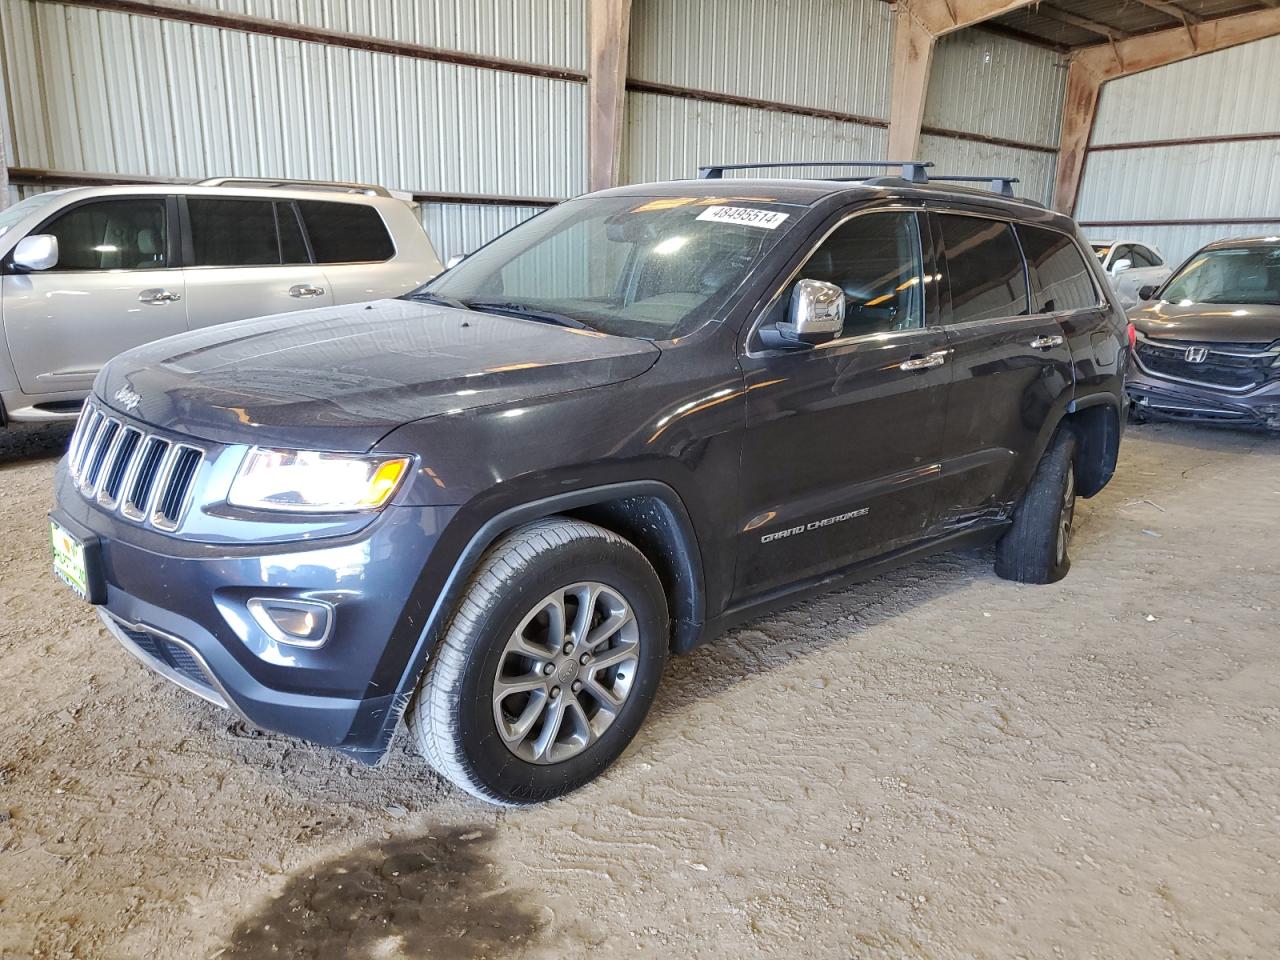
{"points": [[1033, 168], [1228, 92], [832, 54], [669, 137], [996, 86], [551, 32], [457, 229], [1195, 181], [138, 95]]}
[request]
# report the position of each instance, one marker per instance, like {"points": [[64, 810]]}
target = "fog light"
{"points": [[300, 623]]}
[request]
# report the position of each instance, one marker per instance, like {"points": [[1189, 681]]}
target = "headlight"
{"points": [[302, 481]]}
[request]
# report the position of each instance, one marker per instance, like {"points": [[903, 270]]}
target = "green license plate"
{"points": [[68, 560]]}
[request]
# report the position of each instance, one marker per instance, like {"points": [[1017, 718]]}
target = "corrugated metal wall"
{"points": [[1228, 93], [995, 87], [824, 54], [113, 93]]}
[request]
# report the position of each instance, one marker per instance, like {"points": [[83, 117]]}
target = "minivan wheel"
{"points": [[1035, 548], [548, 667]]}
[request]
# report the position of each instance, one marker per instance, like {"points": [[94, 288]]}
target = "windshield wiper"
{"points": [[527, 313], [427, 296]]}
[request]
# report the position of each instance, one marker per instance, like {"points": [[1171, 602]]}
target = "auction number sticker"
{"points": [[747, 216]]}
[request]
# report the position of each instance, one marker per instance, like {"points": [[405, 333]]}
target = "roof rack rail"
{"points": [[326, 186], [912, 170]]}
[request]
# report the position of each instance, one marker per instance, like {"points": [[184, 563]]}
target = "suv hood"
{"points": [[343, 377], [1208, 322]]}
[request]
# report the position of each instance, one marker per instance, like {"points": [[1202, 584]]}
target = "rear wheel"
{"points": [[1035, 548], [549, 665]]}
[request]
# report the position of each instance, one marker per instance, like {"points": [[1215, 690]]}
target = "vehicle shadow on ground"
{"points": [[800, 631], [29, 443]]}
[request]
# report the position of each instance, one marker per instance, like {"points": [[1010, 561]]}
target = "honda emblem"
{"points": [[1196, 354]]}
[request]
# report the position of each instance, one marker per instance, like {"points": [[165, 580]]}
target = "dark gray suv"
{"points": [[494, 506]]}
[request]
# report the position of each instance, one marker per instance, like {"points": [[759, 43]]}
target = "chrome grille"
{"points": [[144, 477]]}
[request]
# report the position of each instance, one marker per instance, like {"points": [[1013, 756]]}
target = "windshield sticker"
{"points": [[747, 216]]}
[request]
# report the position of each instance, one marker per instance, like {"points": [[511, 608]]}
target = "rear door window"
{"points": [[1060, 278], [984, 268], [112, 235], [346, 232], [233, 233]]}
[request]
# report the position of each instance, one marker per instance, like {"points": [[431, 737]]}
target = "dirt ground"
{"points": [[934, 764]]}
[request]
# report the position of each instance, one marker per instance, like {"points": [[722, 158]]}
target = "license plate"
{"points": [[69, 560]]}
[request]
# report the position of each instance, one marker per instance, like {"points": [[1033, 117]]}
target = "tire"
{"points": [[1035, 548], [487, 680]]}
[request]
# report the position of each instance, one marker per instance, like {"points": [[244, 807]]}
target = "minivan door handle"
{"points": [[158, 296], [1044, 343], [306, 290], [927, 362]]}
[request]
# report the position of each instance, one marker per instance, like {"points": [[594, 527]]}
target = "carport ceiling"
{"points": [[1068, 24]]}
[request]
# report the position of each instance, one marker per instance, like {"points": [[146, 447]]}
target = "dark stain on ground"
{"points": [[409, 897]]}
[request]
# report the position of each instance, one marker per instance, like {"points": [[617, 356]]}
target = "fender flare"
{"points": [[689, 560]]}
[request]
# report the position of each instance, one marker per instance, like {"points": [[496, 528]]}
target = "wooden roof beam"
{"points": [[1091, 67], [1083, 23], [1173, 11]]}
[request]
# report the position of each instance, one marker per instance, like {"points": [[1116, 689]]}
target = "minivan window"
{"points": [[346, 232], [1060, 279], [984, 266], [875, 259], [112, 235]]}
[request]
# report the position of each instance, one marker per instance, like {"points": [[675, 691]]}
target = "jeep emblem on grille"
{"points": [[127, 398], [1196, 354]]}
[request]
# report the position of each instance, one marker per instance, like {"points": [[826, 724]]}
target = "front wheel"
{"points": [[1035, 548], [548, 667]]}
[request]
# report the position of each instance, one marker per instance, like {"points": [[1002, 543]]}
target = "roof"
{"points": [[807, 192], [1069, 24], [1269, 241], [192, 190]]}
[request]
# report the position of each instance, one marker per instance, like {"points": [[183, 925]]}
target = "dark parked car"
{"points": [[494, 506], [1208, 341]]}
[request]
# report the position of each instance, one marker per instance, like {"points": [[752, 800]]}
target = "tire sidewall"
{"points": [[612, 563]]}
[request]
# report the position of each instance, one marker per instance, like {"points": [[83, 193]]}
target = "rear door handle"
{"points": [[927, 362], [306, 290], [158, 296], [1044, 343]]}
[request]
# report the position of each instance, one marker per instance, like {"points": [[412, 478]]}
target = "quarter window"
{"points": [[875, 260], [345, 232], [985, 270], [1060, 279], [112, 235]]}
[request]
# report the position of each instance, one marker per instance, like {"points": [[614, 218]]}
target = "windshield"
{"points": [[11, 216], [1102, 249], [1228, 275], [633, 266]]}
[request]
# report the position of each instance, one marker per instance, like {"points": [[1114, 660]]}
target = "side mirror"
{"points": [[815, 315], [1120, 266], [36, 252], [1148, 292], [455, 260]]}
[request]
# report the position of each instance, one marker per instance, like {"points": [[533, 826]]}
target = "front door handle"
{"points": [[928, 362], [158, 296], [306, 290], [1044, 343]]}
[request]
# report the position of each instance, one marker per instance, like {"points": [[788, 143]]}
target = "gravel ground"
{"points": [[934, 764]]}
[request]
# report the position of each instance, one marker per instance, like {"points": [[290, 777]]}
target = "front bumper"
{"points": [[181, 608], [1170, 399]]}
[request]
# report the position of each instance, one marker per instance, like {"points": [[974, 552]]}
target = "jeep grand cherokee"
{"points": [[493, 507]]}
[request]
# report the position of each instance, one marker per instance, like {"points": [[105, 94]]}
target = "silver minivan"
{"points": [[88, 272]]}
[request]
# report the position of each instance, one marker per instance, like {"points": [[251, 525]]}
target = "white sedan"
{"points": [[1131, 265]]}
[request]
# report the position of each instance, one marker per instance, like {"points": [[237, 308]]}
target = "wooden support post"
{"points": [[609, 33], [912, 58], [1093, 66], [4, 137], [1078, 110]]}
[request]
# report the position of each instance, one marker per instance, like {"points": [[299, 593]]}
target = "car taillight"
{"points": [[1133, 337]]}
